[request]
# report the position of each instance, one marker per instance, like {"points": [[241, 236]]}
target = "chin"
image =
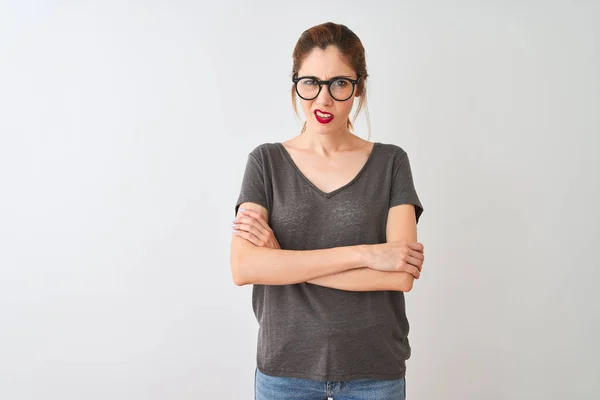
{"points": [[324, 129]]}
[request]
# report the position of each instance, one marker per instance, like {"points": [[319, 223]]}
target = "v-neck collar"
{"points": [[328, 195]]}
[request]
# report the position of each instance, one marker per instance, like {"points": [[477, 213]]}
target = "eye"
{"points": [[340, 83], [308, 82]]}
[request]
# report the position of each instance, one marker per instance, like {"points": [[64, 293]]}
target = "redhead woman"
{"points": [[326, 232]]}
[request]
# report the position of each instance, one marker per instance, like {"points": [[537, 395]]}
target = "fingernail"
{"points": [[242, 209]]}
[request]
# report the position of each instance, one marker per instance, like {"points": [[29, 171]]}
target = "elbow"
{"points": [[406, 284], [237, 278], [236, 268], [239, 281]]}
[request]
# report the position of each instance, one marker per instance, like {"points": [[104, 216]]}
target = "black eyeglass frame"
{"points": [[329, 82]]}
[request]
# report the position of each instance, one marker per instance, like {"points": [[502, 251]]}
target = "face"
{"points": [[326, 64]]}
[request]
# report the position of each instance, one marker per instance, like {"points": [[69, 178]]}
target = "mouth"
{"points": [[323, 117]]}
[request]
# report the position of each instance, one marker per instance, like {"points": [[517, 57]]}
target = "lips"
{"points": [[323, 117]]}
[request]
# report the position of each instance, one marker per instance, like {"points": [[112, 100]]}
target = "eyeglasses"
{"points": [[309, 87]]}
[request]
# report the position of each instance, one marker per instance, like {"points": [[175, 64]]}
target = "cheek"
{"points": [[345, 108], [306, 108]]}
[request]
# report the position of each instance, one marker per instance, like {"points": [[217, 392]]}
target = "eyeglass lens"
{"points": [[340, 89]]}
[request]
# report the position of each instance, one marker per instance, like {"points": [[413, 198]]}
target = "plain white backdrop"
{"points": [[124, 132]]}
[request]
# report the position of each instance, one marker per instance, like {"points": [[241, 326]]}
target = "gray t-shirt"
{"points": [[316, 332]]}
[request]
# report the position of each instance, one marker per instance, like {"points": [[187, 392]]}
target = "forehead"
{"points": [[325, 63]]}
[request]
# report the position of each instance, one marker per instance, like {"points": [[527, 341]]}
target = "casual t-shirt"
{"points": [[316, 332]]}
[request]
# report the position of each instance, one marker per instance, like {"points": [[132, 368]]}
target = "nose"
{"points": [[324, 97]]}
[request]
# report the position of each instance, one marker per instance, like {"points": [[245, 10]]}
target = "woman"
{"points": [[326, 233]]}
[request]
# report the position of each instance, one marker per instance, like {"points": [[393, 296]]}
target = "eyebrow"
{"points": [[336, 76]]}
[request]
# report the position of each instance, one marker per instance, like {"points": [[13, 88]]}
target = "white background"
{"points": [[124, 131]]}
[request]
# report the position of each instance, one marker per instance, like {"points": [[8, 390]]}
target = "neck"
{"points": [[338, 140]]}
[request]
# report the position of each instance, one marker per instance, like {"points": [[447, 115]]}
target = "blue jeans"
{"points": [[267, 387]]}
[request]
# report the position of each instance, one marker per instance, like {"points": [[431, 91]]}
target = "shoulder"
{"points": [[264, 151], [391, 152]]}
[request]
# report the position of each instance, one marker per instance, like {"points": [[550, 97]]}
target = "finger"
{"points": [[245, 219], [251, 228], [248, 236], [257, 231], [415, 262], [263, 230], [258, 217], [254, 214], [416, 272], [416, 246], [260, 228], [251, 221], [416, 254], [411, 269]]}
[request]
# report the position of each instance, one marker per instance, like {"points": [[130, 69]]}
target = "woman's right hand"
{"points": [[398, 256]]}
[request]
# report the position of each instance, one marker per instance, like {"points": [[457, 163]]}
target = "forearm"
{"points": [[365, 280], [262, 265]]}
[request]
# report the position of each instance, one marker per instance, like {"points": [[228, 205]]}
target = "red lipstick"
{"points": [[323, 120]]}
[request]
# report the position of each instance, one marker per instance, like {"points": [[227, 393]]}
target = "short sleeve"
{"points": [[253, 184], [403, 188]]}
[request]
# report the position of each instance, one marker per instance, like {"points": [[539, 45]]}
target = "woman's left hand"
{"points": [[251, 226]]}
